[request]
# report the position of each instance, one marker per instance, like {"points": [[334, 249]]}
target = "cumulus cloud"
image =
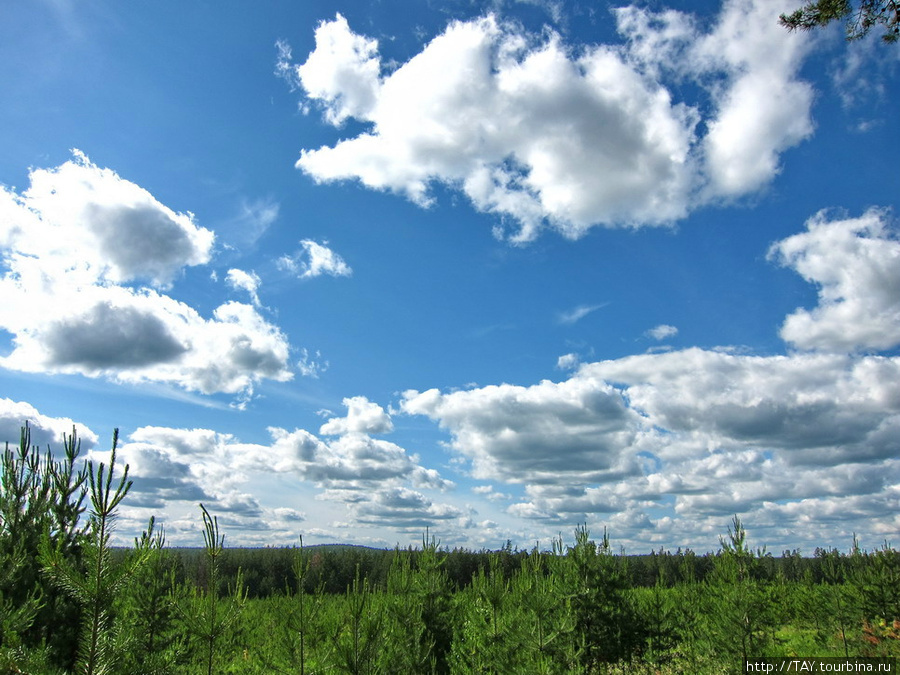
{"points": [[524, 130], [405, 509], [764, 108], [855, 264], [363, 416], [315, 260], [548, 432], [174, 468], [100, 226], [550, 135], [343, 73], [76, 247], [353, 462], [214, 463], [815, 408], [706, 433], [749, 68]]}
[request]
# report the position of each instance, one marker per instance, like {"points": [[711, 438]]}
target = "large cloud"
{"points": [[573, 430], [100, 226], [855, 262], [552, 135], [696, 434], [71, 245]]}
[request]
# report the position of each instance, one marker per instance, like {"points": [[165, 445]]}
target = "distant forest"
{"points": [[70, 602], [333, 567]]}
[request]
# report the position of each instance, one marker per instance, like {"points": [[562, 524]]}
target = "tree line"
{"points": [[72, 603]]}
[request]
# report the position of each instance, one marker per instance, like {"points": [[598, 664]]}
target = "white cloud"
{"points": [[716, 433], [353, 461], [855, 263], [363, 417], [245, 281], [572, 430], [763, 109], [662, 331], [72, 242], [568, 361], [315, 260], [552, 135], [45, 430], [403, 508], [815, 408], [174, 468], [525, 131], [749, 65], [343, 72], [97, 226]]}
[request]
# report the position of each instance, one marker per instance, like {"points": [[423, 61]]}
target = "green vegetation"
{"points": [[860, 17], [69, 603]]}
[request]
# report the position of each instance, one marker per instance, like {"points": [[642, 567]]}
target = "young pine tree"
{"points": [[738, 611], [96, 587], [203, 615], [606, 627], [38, 493], [146, 610]]}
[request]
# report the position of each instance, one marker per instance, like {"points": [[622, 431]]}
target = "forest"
{"points": [[70, 602]]}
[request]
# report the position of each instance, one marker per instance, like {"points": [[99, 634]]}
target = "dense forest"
{"points": [[71, 602]]}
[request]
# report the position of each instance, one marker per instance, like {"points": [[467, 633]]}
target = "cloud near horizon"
{"points": [[808, 438], [365, 478], [492, 111]]}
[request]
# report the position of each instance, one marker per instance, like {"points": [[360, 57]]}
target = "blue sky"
{"points": [[351, 270]]}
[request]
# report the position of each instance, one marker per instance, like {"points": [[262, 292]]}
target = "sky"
{"points": [[354, 271]]}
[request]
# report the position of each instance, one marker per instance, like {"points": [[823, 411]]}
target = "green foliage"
{"points": [[408, 648], [432, 593], [38, 494], [357, 639], [146, 612], [860, 19], [738, 610], [204, 617], [605, 627], [69, 602], [486, 640], [876, 576], [544, 621], [96, 586]]}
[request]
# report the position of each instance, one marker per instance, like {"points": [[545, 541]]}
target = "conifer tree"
{"points": [[359, 637], [38, 494], [97, 587], [409, 651], [738, 611], [606, 628], [146, 611], [199, 608]]}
